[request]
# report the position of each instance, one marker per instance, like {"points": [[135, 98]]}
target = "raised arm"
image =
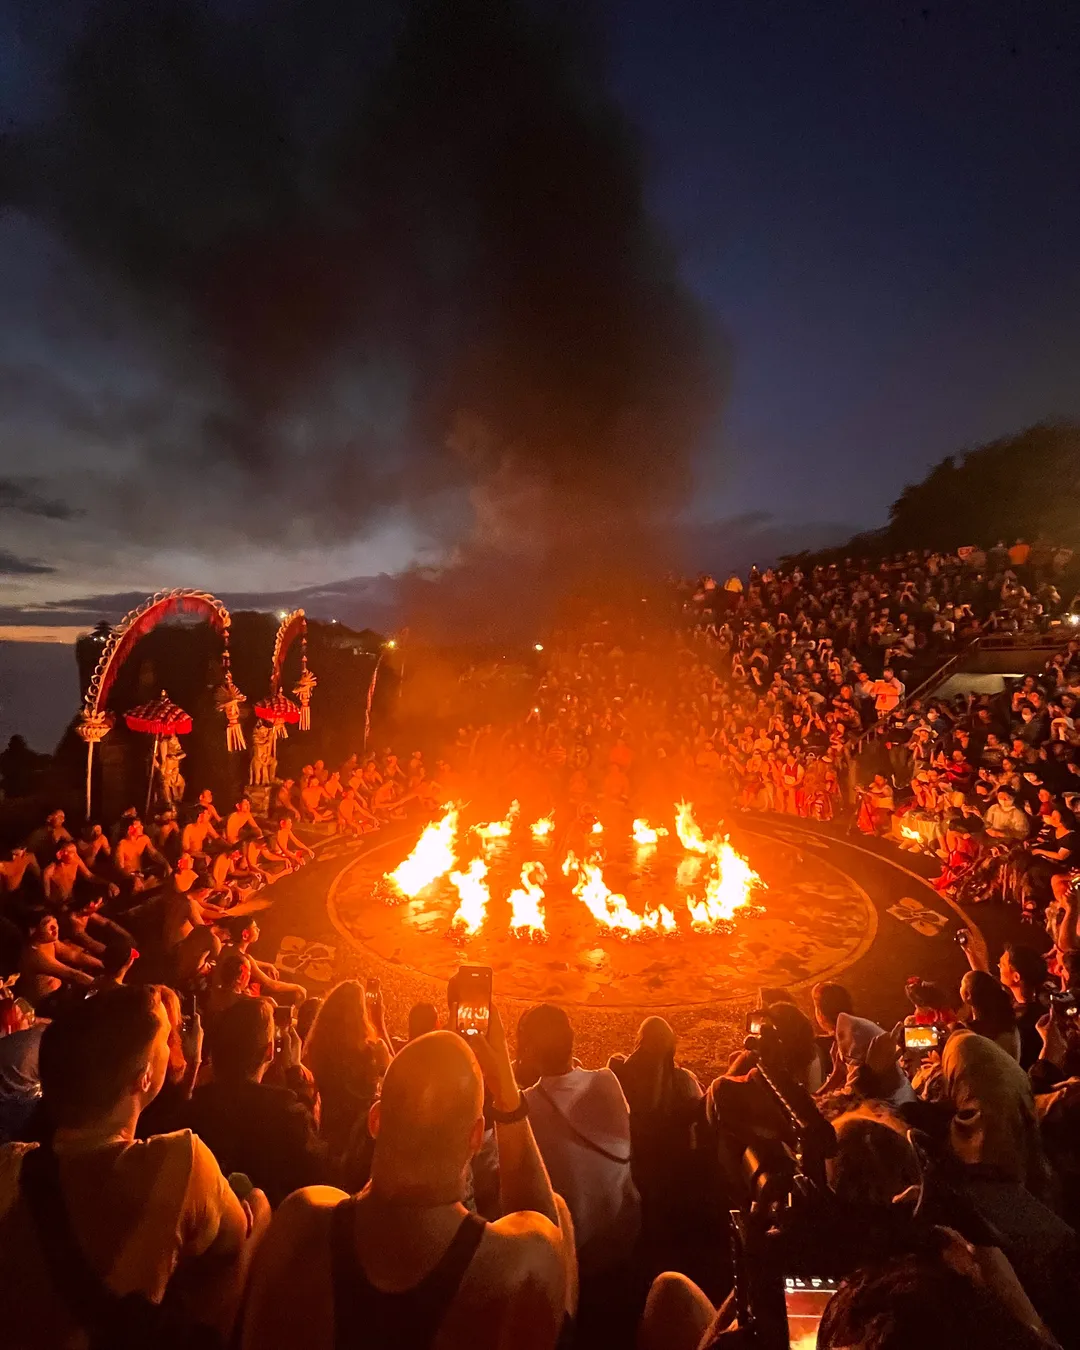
{"points": [[523, 1180]]}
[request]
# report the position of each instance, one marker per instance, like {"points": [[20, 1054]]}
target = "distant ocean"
{"points": [[39, 691]]}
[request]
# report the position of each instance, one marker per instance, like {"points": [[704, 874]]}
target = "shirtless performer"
{"points": [[311, 797], [83, 926], [63, 874], [93, 845], [45, 962], [206, 803], [187, 908], [197, 833], [353, 816], [15, 868], [242, 830], [44, 841], [283, 798], [333, 1269], [289, 845], [134, 853], [244, 932]]}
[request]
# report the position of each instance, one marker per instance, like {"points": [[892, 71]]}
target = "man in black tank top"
{"points": [[404, 1265]]}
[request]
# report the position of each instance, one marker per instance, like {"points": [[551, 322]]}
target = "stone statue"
{"points": [[263, 759], [172, 780]]}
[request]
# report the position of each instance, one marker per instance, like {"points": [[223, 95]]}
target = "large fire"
{"points": [[473, 897], [645, 835], [729, 887], [688, 830], [431, 859], [527, 903], [498, 829], [727, 890]]}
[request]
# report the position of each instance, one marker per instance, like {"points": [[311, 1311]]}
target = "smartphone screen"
{"points": [[284, 1015], [921, 1038], [473, 988], [805, 1300], [188, 1008]]}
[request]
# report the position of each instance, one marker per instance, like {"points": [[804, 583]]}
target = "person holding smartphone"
{"points": [[404, 1262]]}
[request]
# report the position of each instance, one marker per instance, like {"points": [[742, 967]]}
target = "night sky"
{"points": [[875, 205]]}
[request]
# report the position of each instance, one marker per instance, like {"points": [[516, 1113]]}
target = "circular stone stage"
{"points": [[835, 907], [808, 922]]}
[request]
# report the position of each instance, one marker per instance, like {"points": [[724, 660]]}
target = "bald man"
{"points": [[404, 1265]]}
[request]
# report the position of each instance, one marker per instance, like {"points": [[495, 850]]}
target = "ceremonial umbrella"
{"points": [[160, 717], [279, 710]]}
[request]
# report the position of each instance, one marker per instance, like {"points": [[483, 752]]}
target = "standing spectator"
{"points": [[888, 693], [582, 1127]]}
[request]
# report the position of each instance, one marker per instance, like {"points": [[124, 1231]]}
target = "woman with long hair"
{"points": [[348, 1057]]}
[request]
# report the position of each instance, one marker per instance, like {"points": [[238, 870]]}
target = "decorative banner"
{"points": [[292, 626], [95, 720]]}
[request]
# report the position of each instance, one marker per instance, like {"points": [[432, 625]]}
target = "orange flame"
{"points": [[728, 889], [909, 833], [688, 830], [498, 829], [431, 859], [609, 908], [645, 834], [542, 828], [473, 898], [526, 904]]}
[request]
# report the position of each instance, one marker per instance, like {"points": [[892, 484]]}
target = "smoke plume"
{"points": [[387, 258]]}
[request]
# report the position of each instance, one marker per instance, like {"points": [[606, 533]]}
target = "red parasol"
{"points": [[277, 709], [160, 717]]}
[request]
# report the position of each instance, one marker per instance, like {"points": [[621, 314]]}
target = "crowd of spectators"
{"points": [[195, 1160], [758, 694], [197, 1152], [990, 785]]}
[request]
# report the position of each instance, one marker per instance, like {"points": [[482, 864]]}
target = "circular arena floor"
{"points": [[808, 922], [833, 907]]}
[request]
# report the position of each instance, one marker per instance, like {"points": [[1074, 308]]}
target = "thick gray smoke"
{"points": [[386, 256]]}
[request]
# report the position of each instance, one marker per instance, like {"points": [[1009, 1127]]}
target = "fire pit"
{"points": [[638, 912]]}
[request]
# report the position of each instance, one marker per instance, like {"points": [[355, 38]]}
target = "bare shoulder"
{"points": [[524, 1225], [290, 1301], [523, 1243], [307, 1207]]}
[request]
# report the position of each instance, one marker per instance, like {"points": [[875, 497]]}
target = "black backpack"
{"points": [[112, 1321]]}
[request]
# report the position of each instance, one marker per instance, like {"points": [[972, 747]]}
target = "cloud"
{"points": [[11, 565], [24, 495], [367, 258], [358, 601]]}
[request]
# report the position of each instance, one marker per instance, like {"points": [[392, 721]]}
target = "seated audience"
{"points": [[265, 1132]]}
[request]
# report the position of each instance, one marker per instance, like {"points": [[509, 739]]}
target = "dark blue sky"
{"points": [[877, 202], [881, 202]]}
